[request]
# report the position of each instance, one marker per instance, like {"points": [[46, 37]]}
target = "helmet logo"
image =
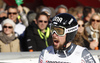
{"points": [[55, 23], [58, 19], [70, 21], [64, 23]]}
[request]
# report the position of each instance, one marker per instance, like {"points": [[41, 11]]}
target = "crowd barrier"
{"points": [[32, 57]]}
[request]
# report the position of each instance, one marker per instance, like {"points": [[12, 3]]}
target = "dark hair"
{"points": [[42, 13], [86, 11], [12, 7]]}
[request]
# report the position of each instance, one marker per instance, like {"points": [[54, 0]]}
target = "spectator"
{"points": [[93, 29], [3, 15], [93, 10], [61, 9], [97, 10], [79, 12], [31, 16], [13, 15], [63, 29], [38, 9], [73, 12], [87, 13], [38, 34], [81, 38], [22, 14], [2, 5], [9, 41], [52, 12], [46, 10]]}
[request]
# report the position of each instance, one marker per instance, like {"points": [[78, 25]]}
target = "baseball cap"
{"points": [[46, 9]]}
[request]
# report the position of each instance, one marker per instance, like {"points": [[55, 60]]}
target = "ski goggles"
{"points": [[61, 31]]}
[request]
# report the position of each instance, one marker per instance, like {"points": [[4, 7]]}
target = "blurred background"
{"points": [[33, 4]]}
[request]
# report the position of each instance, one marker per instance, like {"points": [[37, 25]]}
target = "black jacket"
{"points": [[33, 39]]}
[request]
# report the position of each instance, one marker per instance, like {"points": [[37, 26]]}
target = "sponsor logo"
{"points": [[88, 58], [58, 19], [56, 62], [72, 29], [41, 59], [70, 21]]}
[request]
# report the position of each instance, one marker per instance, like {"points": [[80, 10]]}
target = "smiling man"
{"points": [[13, 15], [64, 27]]}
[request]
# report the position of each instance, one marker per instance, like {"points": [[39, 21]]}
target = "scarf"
{"points": [[95, 35], [94, 30], [5, 39]]}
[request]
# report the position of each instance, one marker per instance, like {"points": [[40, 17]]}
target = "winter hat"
{"points": [[46, 9], [8, 21]]}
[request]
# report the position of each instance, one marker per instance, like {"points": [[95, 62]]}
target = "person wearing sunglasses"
{"points": [[9, 41], [93, 30], [37, 35], [13, 15], [17, 15], [81, 38], [63, 29]]}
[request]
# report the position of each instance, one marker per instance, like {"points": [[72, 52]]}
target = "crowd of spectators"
{"points": [[33, 27]]}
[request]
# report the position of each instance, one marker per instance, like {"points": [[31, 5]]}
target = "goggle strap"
{"points": [[72, 29]]}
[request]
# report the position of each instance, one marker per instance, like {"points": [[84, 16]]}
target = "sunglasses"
{"points": [[14, 13], [61, 31], [93, 20], [10, 27], [43, 21], [81, 25]]}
